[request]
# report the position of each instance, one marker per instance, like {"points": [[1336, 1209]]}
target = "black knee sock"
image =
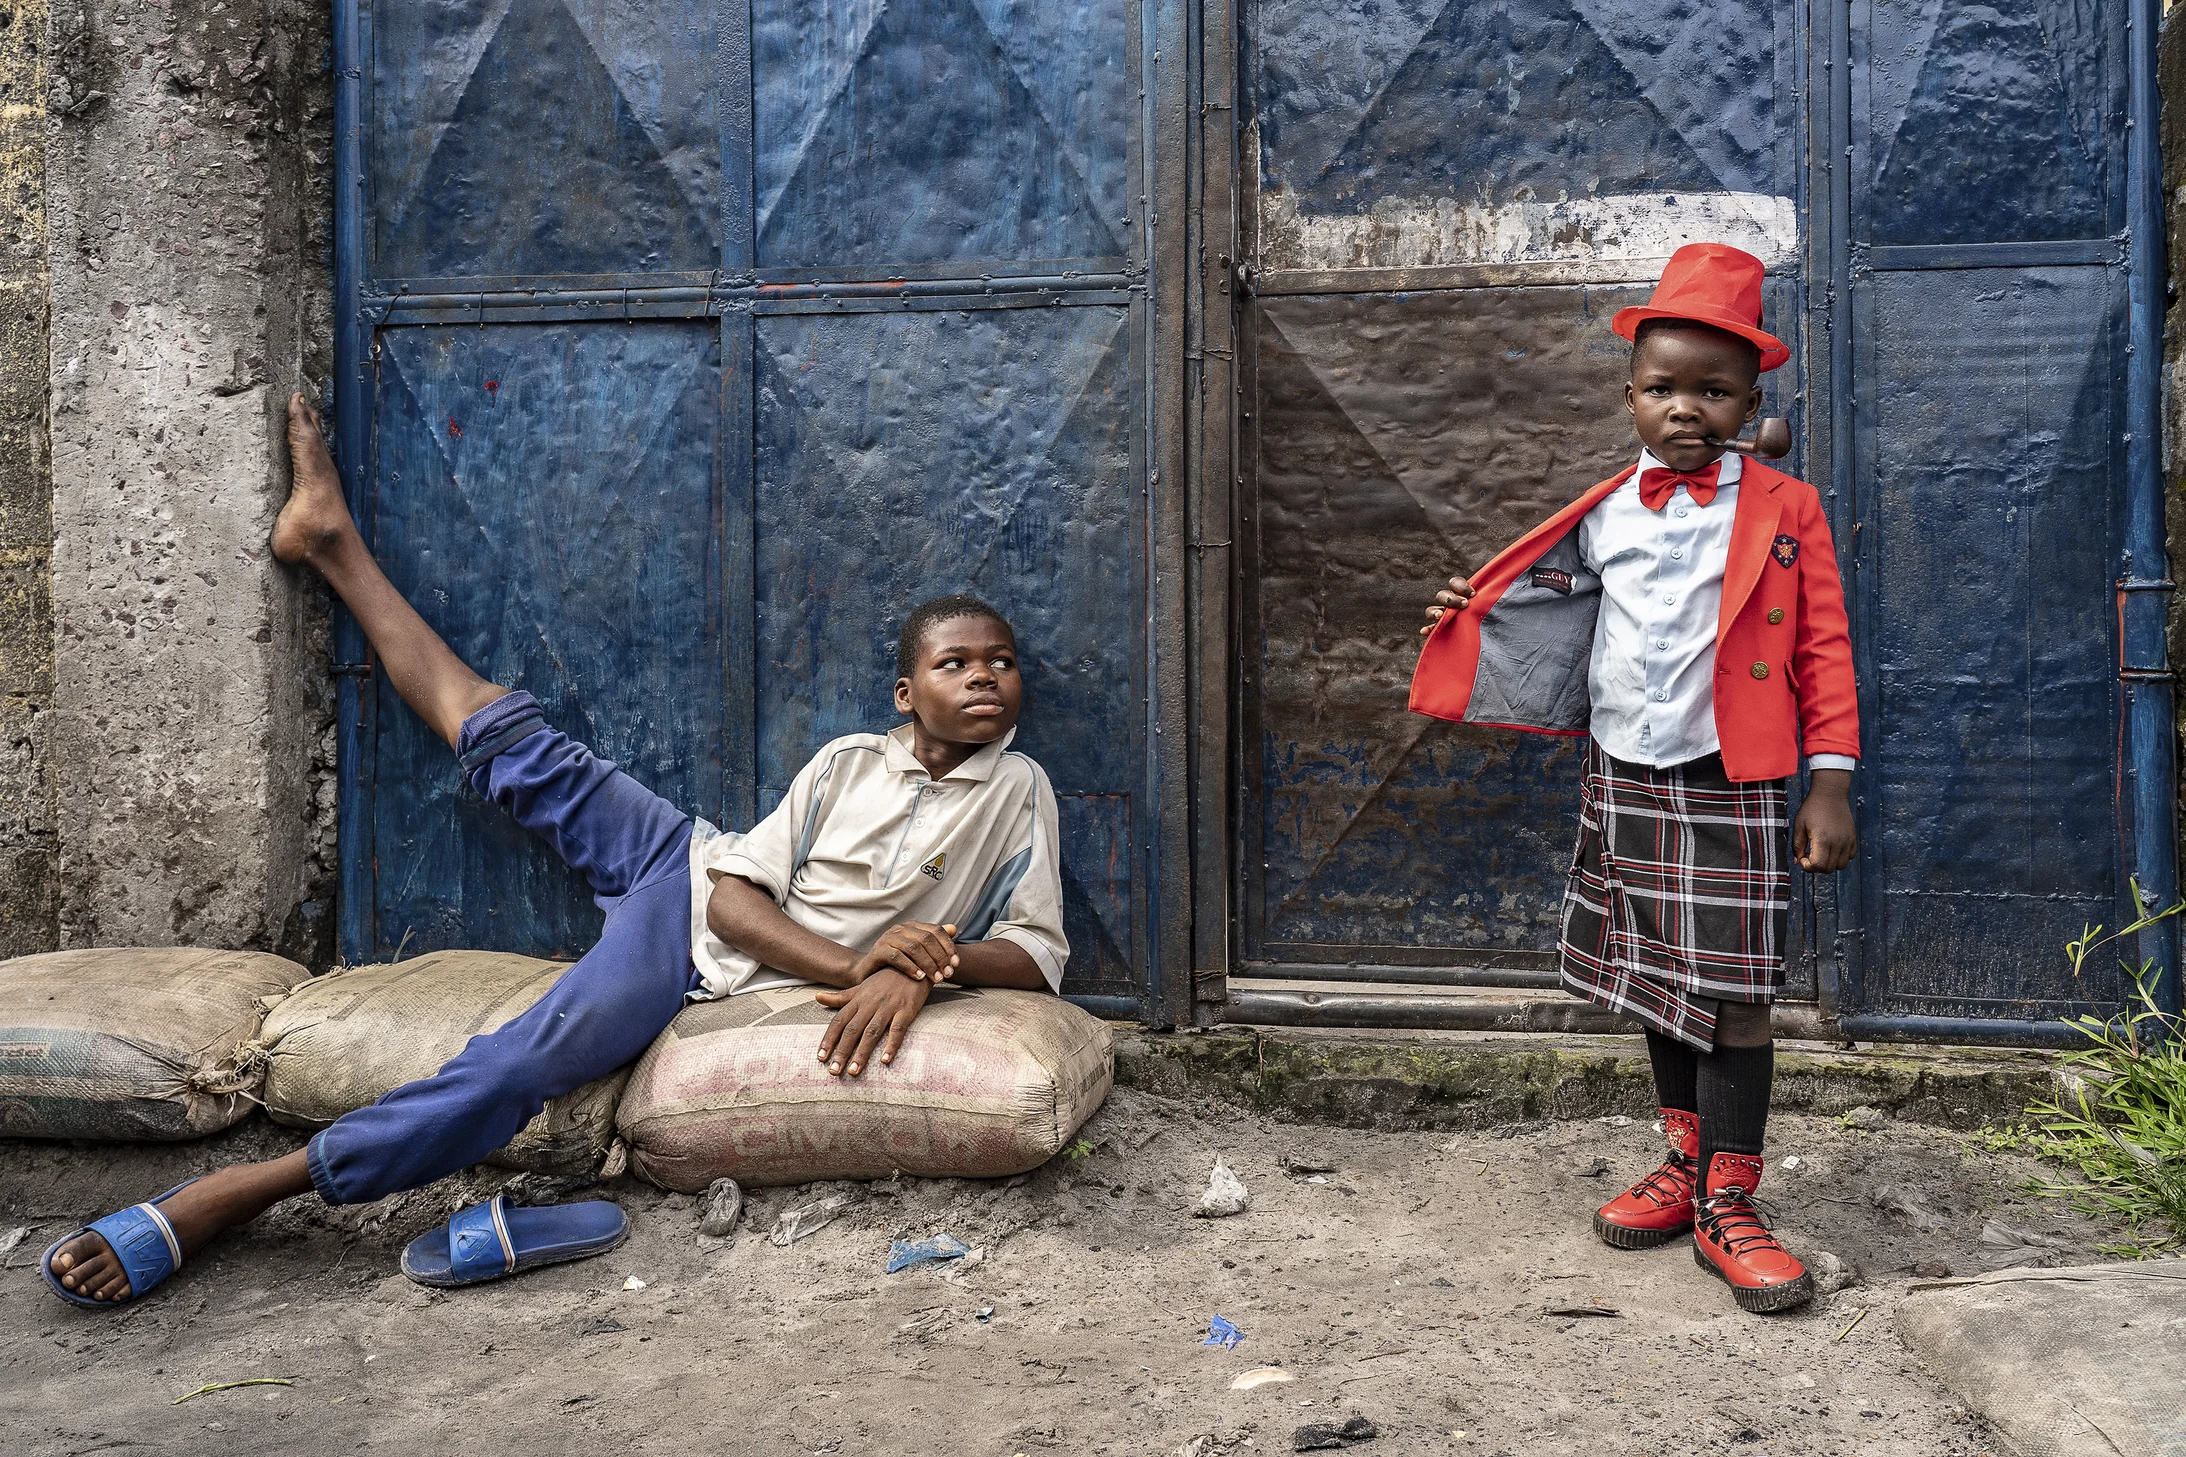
{"points": [[1734, 1099], [1676, 1069]]}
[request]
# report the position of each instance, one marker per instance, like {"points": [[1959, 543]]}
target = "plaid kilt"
{"points": [[1679, 894]]}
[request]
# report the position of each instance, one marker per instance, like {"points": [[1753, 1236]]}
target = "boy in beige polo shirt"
{"points": [[932, 847], [896, 862]]}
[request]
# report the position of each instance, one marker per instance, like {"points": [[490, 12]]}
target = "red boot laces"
{"points": [[1672, 1183], [1733, 1222]]}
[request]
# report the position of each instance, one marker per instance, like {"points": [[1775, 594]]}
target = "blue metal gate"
{"points": [[684, 348], [1997, 463], [1444, 202]]}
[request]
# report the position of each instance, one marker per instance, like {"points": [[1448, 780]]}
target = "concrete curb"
{"points": [[1467, 1080]]}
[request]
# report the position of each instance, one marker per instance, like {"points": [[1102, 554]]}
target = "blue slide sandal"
{"points": [[140, 1237], [489, 1240]]}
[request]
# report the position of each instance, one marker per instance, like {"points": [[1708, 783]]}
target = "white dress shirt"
{"points": [[865, 839], [1652, 679]]}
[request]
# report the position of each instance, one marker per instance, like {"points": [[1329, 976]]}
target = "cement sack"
{"points": [[344, 1039], [988, 1083], [137, 1044], [2071, 1361]]}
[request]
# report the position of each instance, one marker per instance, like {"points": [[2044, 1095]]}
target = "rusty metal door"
{"points": [[1445, 204], [1442, 204], [684, 348]]}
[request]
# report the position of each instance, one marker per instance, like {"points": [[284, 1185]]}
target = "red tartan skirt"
{"points": [[1679, 895]]}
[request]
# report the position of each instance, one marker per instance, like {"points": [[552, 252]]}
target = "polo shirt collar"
{"points": [[977, 769]]}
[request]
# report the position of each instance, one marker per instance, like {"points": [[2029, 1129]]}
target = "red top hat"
{"points": [[1710, 283]]}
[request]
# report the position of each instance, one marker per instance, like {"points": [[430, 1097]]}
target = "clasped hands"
{"points": [[889, 987]]}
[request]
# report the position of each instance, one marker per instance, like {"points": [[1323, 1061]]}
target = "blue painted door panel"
{"points": [[1988, 550], [905, 456], [520, 138], [894, 133], [1980, 123], [549, 498], [1403, 434], [694, 531], [1988, 485], [1441, 189]]}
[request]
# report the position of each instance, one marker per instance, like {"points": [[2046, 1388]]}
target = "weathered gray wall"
{"points": [[28, 904], [187, 225]]}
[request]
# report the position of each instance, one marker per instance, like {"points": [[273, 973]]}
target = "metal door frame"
{"points": [[737, 294]]}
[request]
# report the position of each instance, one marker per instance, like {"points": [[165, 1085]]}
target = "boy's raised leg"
{"points": [[316, 529]]}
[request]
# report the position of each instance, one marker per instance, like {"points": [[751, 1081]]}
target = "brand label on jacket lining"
{"points": [[1553, 578]]}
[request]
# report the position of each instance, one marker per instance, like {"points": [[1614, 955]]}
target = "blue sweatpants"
{"points": [[634, 849]]}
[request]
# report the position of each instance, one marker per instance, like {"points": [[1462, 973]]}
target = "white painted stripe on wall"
{"points": [[1425, 232]]}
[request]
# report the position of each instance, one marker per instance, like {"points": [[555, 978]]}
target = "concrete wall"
{"points": [[28, 903], [187, 161]]}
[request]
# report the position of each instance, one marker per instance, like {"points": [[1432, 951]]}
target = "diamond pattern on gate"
{"points": [[544, 137], [1381, 97], [1985, 124], [936, 130]]}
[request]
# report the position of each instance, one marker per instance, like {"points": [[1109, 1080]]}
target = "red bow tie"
{"points": [[1657, 482]]}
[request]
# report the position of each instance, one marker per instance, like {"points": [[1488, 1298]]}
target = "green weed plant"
{"points": [[2118, 1112]]}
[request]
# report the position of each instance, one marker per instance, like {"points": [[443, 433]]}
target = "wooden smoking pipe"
{"points": [[1771, 440]]}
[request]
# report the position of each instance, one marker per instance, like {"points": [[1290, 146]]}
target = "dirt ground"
{"points": [[1413, 1287]]}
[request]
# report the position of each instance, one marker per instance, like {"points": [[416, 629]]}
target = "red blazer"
{"points": [[1517, 656]]}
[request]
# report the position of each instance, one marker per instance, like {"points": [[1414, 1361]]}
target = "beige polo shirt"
{"points": [[866, 839]]}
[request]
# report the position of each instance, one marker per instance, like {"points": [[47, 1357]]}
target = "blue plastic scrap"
{"points": [[905, 1253], [1221, 1333]]}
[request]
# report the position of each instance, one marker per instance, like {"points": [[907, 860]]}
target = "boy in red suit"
{"points": [[1687, 616]]}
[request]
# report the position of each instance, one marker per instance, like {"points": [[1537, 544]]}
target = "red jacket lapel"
{"points": [[1443, 678], [1753, 532]]}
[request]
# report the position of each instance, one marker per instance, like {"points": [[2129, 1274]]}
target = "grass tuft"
{"points": [[2118, 1114]]}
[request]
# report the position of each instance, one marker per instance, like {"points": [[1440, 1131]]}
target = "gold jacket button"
{"points": [[1760, 670], [1776, 614]]}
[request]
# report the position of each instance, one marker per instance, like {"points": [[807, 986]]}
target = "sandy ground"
{"points": [[1412, 1287]]}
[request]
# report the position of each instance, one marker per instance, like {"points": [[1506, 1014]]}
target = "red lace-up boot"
{"points": [[1659, 1207], [1731, 1242]]}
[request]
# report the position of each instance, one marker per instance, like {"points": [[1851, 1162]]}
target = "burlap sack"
{"points": [[342, 1040], [126, 1044], [988, 1083]]}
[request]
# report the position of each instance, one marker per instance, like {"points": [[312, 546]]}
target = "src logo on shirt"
{"points": [[936, 867]]}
